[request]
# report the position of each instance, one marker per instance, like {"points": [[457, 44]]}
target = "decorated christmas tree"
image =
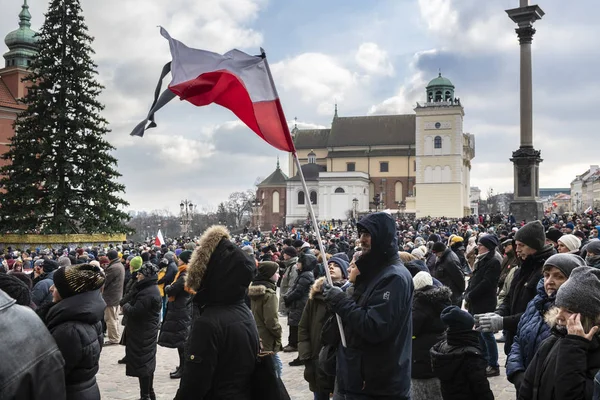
{"points": [[62, 177]]}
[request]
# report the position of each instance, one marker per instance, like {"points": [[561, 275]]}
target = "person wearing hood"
{"points": [[567, 361], [41, 294], [457, 245], [533, 252], [297, 296], [532, 329], [178, 319], [377, 319], [310, 330], [289, 273], [221, 351], [480, 296], [170, 266], [264, 303], [458, 361], [428, 303], [74, 320], [134, 266], [592, 257], [143, 316]]}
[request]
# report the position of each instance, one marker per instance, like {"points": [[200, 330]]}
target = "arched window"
{"points": [[447, 174], [340, 190], [398, 191], [438, 95], [437, 142], [428, 174], [313, 197], [437, 174], [275, 202], [300, 198], [448, 96]]}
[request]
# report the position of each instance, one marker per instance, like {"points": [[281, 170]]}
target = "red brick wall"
{"points": [[267, 217]]}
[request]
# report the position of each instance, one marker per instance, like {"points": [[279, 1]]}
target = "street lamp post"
{"points": [[186, 214], [354, 207], [401, 207], [256, 211]]}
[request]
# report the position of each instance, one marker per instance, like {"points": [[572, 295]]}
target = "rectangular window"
{"points": [[415, 165], [350, 167], [384, 166]]}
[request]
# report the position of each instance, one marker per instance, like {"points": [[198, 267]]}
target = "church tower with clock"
{"points": [[443, 153]]}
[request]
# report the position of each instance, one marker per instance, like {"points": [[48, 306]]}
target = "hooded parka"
{"points": [[297, 296], [178, 319]]}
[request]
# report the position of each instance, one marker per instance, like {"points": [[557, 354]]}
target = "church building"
{"points": [[416, 164], [22, 48]]}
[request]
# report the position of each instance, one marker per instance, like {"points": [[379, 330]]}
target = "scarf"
{"points": [[180, 269]]}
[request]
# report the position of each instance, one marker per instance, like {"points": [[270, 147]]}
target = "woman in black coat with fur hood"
{"points": [[143, 316], [428, 329]]}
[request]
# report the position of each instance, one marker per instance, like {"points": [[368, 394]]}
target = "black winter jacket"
{"points": [[377, 319], [448, 270], [178, 319], [143, 315], [460, 366], [522, 291], [428, 328], [562, 369], [75, 324], [481, 294], [30, 369], [297, 296], [223, 345]]}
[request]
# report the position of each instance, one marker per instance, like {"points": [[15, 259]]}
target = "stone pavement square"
{"points": [[114, 385]]}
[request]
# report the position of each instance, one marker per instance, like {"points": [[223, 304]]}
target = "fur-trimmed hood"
{"points": [[434, 295], [219, 271], [317, 287], [257, 290]]}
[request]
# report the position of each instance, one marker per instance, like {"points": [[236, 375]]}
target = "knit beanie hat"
{"points": [[248, 249], [266, 269], [16, 289], [185, 256], [76, 279], [178, 252], [532, 234], [457, 320], [422, 279], [489, 241], [456, 239], [571, 241], [341, 263], [581, 292], [135, 263], [64, 261], [570, 226], [593, 247], [297, 243], [423, 249], [438, 247], [554, 234], [148, 270], [49, 265], [418, 253], [103, 260], [290, 251], [343, 256], [565, 263]]}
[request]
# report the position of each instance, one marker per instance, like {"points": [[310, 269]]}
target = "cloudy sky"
{"points": [[373, 57]]}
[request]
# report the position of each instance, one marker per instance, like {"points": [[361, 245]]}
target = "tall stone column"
{"points": [[526, 160]]}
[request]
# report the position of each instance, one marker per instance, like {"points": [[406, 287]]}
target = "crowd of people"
{"points": [[420, 303]]}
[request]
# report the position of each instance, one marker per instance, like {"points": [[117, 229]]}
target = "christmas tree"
{"points": [[62, 176]]}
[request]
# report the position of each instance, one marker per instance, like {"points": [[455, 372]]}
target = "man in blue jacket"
{"points": [[376, 363]]}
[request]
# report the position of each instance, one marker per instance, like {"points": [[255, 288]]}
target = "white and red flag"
{"points": [[159, 241], [235, 80]]}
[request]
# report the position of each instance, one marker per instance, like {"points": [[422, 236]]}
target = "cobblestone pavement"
{"points": [[114, 385]]}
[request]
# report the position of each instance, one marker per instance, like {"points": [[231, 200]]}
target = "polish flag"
{"points": [[159, 241], [235, 80]]}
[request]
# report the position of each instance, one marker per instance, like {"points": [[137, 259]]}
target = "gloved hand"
{"points": [[477, 317], [491, 322], [167, 289], [332, 293]]}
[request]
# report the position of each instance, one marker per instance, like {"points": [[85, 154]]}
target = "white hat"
{"points": [[422, 279], [418, 253], [571, 241]]}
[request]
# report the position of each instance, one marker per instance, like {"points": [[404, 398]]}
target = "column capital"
{"points": [[525, 34]]}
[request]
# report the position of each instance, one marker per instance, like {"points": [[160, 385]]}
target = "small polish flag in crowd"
{"points": [[588, 210], [159, 241], [235, 80]]}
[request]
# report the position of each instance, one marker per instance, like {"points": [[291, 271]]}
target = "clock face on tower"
{"points": [[438, 125]]}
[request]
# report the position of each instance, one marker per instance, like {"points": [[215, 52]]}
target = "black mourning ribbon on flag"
{"points": [[159, 101]]}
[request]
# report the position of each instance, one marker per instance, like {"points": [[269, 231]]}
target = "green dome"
{"points": [[440, 81], [21, 43]]}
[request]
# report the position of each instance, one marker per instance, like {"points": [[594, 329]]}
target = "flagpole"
{"points": [[318, 233], [310, 208]]}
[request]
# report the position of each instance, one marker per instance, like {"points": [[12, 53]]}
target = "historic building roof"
{"points": [[277, 178], [7, 99], [310, 171], [373, 130], [21, 43]]}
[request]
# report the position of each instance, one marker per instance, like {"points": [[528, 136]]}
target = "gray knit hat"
{"points": [[532, 234], [565, 263], [581, 292], [593, 247]]}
